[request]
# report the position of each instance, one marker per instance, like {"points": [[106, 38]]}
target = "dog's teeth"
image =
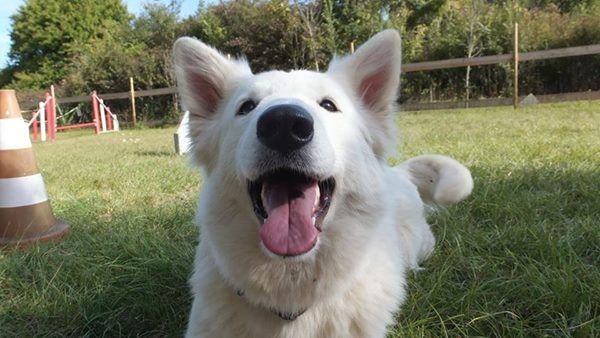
{"points": [[314, 220], [262, 194], [317, 198]]}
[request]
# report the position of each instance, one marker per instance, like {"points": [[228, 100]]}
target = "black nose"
{"points": [[285, 128]]}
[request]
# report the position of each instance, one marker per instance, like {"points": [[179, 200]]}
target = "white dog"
{"points": [[305, 230]]}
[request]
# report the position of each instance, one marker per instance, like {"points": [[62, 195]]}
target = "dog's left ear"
{"points": [[373, 75]]}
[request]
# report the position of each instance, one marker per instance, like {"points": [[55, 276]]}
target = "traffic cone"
{"points": [[25, 213]]}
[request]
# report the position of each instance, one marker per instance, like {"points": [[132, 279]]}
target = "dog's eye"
{"points": [[328, 105], [246, 107]]}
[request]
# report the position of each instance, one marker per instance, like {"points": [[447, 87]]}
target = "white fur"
{"points": [[439, 179], [353, 281]]}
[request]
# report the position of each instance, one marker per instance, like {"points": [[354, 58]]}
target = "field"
{"points": [[519, 258]]}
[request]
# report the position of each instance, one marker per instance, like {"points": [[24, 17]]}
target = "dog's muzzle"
{"points": [[285, 128], [288, 197]]}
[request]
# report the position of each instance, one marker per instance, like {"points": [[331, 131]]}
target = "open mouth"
{"points": [[291, 207]]}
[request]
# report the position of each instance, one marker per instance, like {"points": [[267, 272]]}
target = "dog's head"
{"points": [[290, 147]]}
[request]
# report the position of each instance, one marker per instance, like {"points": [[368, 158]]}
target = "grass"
{"points": [[519, 258]]}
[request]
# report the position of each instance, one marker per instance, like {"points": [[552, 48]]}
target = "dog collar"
{"points": [[287, 316]]}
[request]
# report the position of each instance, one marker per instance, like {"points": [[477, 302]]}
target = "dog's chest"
{"points": [[347, 318], [364, 310]]}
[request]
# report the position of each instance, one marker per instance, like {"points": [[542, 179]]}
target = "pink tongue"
{"points": [[289, 230]]}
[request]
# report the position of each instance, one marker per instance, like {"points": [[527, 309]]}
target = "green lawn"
{"points": [[520, 257]]}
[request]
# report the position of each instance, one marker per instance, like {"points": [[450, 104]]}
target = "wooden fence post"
{"points": [[132, 94], [516, 68]]}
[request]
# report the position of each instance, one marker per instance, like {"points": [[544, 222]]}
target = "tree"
{"points": [[268, 33], [47, 33], [564, 5], [311, 23], [141, 50], [207, 26], [356, 21], [158, 25], [474, 13]]}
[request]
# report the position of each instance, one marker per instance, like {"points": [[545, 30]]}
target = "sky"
{"points": [[10, 7]]}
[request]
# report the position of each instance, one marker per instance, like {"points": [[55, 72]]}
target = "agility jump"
{"points": [[44, 120]]}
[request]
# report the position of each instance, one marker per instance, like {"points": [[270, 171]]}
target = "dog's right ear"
{"points": [[204, 77]]}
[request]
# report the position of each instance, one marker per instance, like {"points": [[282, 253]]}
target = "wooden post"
{"points": [[516, 67], [102, 114], [35, 129], [95, 110], [132, 94], [351, 47], [53, 96], [109, 119], [54, 123], [49, 115], [43, 126]]}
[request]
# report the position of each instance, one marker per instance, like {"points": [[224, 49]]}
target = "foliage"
{"points": [[141, 50], [46, 34], [539, 31], [448, 35], [563, 5], [240, 28], [158, 25]]}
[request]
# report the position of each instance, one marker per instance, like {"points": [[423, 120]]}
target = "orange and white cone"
{"points": [[25, 213]]}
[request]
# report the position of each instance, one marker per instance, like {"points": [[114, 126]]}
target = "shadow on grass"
{"points": [[126, 277], [520, 257], [155, 153]]}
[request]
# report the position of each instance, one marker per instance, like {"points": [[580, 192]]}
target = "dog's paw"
{"points": [[440, 180]]}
